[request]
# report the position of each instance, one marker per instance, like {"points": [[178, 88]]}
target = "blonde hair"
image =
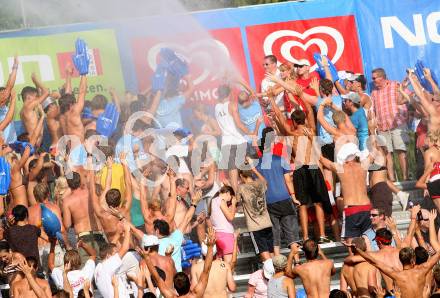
{"points": [[434, 136], [61, 187], [338, 117], [288, 66]]}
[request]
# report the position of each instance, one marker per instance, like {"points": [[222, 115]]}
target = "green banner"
{"points": [[48, 56]]}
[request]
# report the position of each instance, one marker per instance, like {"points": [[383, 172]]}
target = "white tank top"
{"points": [[230, 133]]}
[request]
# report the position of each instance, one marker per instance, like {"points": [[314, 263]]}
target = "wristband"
{"points": [[194, 205]]}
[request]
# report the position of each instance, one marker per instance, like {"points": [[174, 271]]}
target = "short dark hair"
{"points": [[20, 212], [380, 71], [32, 261], [162, 226], [74, 181], [181, 182], [65, 102], [267, 134], [337, 294], [246, 173], [407, 255], [384, 236], [359, 242], [311, 249], [326, 86], [148, 295], [299, 117], [422, 255], [181, 283], [113, 197], [362, 80], [227, 189], [223, 91], [98, 102], [27, 91], [81, 294], [272, 58], [41, 191], [106, 249]]}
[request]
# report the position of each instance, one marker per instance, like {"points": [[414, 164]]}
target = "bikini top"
{"points": [[435, 173]]}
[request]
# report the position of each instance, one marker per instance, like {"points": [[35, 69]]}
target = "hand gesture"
{"points": [[294, 248], [427, 72], [414, 210], [201, 217], [34, 77], [327, 102], [169, 251], [24, 267], [272, 77], [142, 252], [432, 215], [109, 162], [196, 197], [69, 69], [314, 84], [211, 237], [122, 157], [86, 285], [391, 223], [380, 292], [67, 266], [171, 173], [324, 60]]}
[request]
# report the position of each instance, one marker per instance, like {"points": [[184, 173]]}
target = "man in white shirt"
{"points": [[112, 261]]}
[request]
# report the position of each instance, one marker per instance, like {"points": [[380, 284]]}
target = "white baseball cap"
{"points": [[149, 240], [303, 62], [268, 269], [205, 249], [347, 152]]}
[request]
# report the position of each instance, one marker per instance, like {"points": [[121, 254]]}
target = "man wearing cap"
{"points": [[280, 285], [220, 280], [315, 274], [352, 175], [352, 105], [391, 119], [302, 68], [151, 244]]}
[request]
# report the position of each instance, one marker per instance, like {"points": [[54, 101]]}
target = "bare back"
{"points": [[80, 208], [364, 276], [217, 281], [390, 256], [411, 282], [167, 265], [315, 276]]}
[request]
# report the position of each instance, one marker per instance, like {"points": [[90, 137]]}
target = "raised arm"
{"points": [[427, 105], [195, 199], [200, 288], [428, 76], [10, 114], [115, 98], [172, 200], [320, 115], [293, 255], [44, 92], [126, 241], [433, 237], [68, 83], [229, 212], [27, 270], [412, 227], [97, 208], [79, 105], [164, 289], [4, 94], [155, 103]]}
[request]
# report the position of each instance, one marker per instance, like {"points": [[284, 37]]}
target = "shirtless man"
{"points": [[77, 211], [5, 92], [71, 111], [387, 253], [315, 274], [429, 103], [352, 175], [362, 278], [411, 280], [18, 187], [31, 285], [111, 198], [151, 244], [182, 285], [41, 194], [32, 97], [182, 191], [53, 124], [220, 278]]}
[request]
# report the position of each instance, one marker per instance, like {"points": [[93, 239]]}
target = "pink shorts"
{"points": [[224, 243]]}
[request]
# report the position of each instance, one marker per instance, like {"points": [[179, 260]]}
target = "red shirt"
{"points": [[305, 83]]}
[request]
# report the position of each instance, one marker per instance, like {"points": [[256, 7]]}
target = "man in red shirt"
{"points": [[391, 116], [302, 68]]}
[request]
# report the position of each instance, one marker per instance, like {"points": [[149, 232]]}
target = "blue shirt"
{"points": [[176, 240], [371, 235], [168, 111], [360, 122], [9, 134], [273, 168], [250, 115], [323, 135]]}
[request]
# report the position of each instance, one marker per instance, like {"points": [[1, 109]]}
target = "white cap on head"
{"points": [[303, 62], [205, 249], [149, 240], [268, 269], [347, 152]]}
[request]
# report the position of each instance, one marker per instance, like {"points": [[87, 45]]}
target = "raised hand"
{"points": [[211, 237], [86, 285], [196, 197], [391, 223], [109, 162], [115, 281], [169, 251], [142, 252], [81, 58], [67, 266], [272, 77], [201, 217], [122, 157], [24, 267], [427, 72], [314, 84], [432, 215], [414, 210]]}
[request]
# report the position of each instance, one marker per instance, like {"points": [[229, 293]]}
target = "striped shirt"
{"points": [[389, 114]]}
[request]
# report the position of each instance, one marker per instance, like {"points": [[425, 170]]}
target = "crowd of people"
{"points": [[148, 209]]}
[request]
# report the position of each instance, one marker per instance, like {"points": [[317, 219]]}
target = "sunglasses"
{"points": [[373, 214], [374, 78], [298, 66], [266, 64]]}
